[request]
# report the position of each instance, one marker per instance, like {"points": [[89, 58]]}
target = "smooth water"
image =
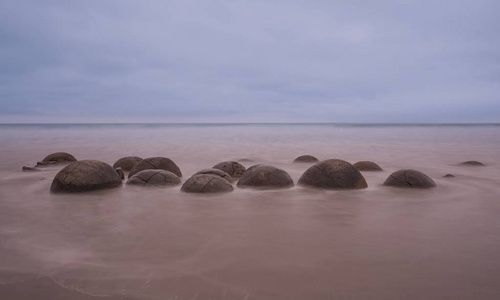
{"points": [[139, 243]]}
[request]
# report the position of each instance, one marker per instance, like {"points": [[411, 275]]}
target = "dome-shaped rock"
{"points": [[409, 179], [153, 163], [233, 168], [154, 178], [57, 158], [333, 174], [472, 163], [449, 176], [306, 159], [85, 175], [367, 166], [206, 183], [217, 172], [127, 163], [265, 176]]}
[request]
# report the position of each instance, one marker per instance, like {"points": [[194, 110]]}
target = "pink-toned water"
{"points": [[136, 243]]}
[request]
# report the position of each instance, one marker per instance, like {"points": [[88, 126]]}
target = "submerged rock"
{"points": [[153, 163], [85, 175], [233, 168], [333, 174], [127, 163], [57, 158], [265, 176], [217, 172], [449, 176], [154, 178], [30, 169], [206, 183], [409, 179], [306, 159], [472, 163], [367, 166]]}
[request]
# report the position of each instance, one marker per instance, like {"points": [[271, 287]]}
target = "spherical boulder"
{"points": [[217, 172], [233, 168], [333, 174], [265, 177], [153, 163], [127, 163], [154, 178], [57, 158], [85, 175], [409, 179], [367, 166], [206, 183], [474, 163], [306, 159]]}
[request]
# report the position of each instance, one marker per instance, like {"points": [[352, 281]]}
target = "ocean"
{"points": [[299, 243]]}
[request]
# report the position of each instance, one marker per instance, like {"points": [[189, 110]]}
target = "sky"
{"points": [[249, 61]]}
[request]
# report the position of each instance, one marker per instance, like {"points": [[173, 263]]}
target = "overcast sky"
{"points": [[250, 61]]}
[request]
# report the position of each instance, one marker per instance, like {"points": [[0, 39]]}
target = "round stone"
{"points": [[154, 178], [265, 177], [153, 163], [409, 179], [85, 175], [57, 158], [127, 163], [217, 172], [333, 174], [206, 183], [472, 163], [233, 168], [306, 159], [367, 166]]}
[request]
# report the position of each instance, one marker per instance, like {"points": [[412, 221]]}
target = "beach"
{"points": [[298, 243]]}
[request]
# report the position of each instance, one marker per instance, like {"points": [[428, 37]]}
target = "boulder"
{"points": [[367, 166], [306, 159], [153, 163], [127, 163], [265, 177], [472, 163], [217, 172], [206, 183], [85, 175], [154, 178], [333, 174], [233, 168], [57, 158], [409, 179]]}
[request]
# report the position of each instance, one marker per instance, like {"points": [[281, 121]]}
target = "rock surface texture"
{"points": [[333, 174], [154, 178], [367, 166], [127, 163], [85, 175], [153, 163], [409, 179], [306, 159], [472, 163], [233, 168], [206, 183], [57, 158], [217, 172], [266, 177]]}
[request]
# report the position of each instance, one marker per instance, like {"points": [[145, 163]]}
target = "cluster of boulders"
{"points": [[88, 175]]}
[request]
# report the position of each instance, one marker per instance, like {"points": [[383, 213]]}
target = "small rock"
{"points": [[449, 175], [57, 158], [367, 166], [233, 168], [153, 163], [154, 178], [127, 163], [265, 176], [333, 174], [472, 163], [206, 183], [30, 169], [409, 179], [120, 173], [306, 159], [217, 172]]}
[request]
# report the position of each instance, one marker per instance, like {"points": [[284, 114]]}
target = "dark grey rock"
{"points": [[306, 159], [217, 172], [127, 163], [154, 178], [57, 158], [409, 179], [333, 174], [120, 173], [30, 169], [206, 183], [85, 175], [367, 166], [233, 168], [265, 177], [449, 176], [153, 163], [472, 163]]}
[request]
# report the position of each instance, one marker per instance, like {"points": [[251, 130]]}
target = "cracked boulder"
{"points": [[306, 159], [57, 158], [333, 174], [155, 163], [474, 163], [367, 166], [217, 172], [409, 179], [233, 168], [84, 176], [127, 163], [265, 177], [206, 183], [154, 178]]}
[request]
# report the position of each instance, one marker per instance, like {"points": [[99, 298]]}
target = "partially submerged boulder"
{"points": [[449, 176], [474, 163], [206, 183], [306, 159], [333, 174], [409, 179], [265, 177], [152, 163], [84, 176], [365, 165], [57, 158], [127, 163], [217, 172], [233, 168], [154, 178]]}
